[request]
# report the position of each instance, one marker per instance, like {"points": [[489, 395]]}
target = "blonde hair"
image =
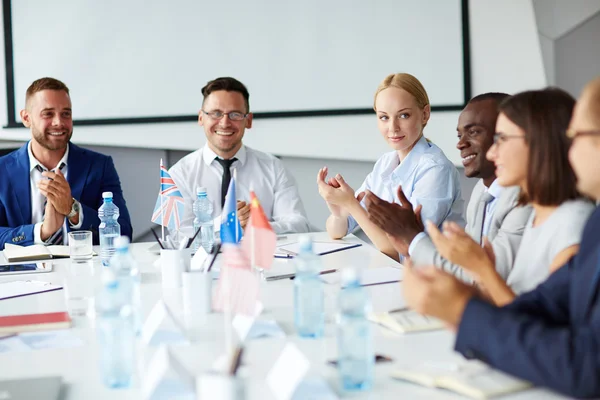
{"points": [[406, 82]]}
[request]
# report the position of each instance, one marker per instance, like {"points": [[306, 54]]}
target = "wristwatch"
{"points": [[74, 209]]}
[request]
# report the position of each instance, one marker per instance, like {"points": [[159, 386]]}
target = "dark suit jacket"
{"points": [[89, 175], [551, 335]]}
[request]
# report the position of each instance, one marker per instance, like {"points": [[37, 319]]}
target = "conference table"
{"points": [[78, 365]]}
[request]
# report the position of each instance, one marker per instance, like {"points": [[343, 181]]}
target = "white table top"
{"points": [[78, 365]]}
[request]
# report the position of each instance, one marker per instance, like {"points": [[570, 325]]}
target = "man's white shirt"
{"points": [[263, 173]]}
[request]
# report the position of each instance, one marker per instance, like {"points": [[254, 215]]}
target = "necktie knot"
{"points": [[226, 164], [486, 198]]}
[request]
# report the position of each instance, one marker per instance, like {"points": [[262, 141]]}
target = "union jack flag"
{"points": [[168, 210]]}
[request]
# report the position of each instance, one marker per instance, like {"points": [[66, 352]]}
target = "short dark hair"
{"points": [[229, 85], [498, 97], [544, 116], [44, 84]]}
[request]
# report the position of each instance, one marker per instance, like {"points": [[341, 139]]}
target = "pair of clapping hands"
{"points": [[57, 191]]}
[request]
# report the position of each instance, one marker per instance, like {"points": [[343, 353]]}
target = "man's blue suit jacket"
{"points": [[89, 174], [551, 335]]}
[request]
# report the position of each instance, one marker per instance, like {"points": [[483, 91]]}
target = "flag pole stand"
{"points": [[162, 208]]}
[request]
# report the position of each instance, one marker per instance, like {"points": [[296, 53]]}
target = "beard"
{"points": [[42, 139]]}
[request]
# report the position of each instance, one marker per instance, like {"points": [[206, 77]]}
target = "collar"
{"points": [[208, 156], [34, 161], [404, 168], [495, 189]]}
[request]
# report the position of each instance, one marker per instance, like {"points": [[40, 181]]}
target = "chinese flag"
{"points": [[259, 239]]}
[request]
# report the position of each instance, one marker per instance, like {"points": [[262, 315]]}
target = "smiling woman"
{"points": [[419, 167]]}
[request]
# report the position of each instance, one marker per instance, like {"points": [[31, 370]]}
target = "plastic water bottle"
{"points": [[203, 211], [309, 312], [115, 333], [109, 227], [126, 269], [355, 341]]}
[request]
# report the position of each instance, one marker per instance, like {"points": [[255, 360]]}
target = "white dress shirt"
{"points": [[265, 174], [38, 199], [427, 178]]}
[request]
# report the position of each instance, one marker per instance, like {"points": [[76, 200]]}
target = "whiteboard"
{"points": [[150, 58]]}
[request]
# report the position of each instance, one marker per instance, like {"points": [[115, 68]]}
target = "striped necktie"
{"points": [[57, 237]]}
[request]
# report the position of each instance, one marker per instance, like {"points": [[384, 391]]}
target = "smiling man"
{"points": [[225, 116], [491, 212], [51, 186]]}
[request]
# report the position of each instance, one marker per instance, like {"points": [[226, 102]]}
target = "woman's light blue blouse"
{"points": [[427, 177]]}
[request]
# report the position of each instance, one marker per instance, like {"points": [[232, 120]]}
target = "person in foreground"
{"points": [[51, 186], [428, 178], [551, 335], [531, 151], [492, 211], [225, 116]]}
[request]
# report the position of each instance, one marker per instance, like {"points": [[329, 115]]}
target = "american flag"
{"points": [[238, 286], [168, 210]]}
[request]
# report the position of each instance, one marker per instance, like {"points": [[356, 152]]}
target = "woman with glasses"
{"points": [[530, 151], [428, 179]]}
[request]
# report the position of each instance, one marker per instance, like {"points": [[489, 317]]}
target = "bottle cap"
{"points": [[305, 243], [107, 195], [200, 190], [349, 276], [109, 278], [122, 242]]}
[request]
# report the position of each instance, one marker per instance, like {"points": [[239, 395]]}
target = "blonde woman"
{"points": [[428, 179]]}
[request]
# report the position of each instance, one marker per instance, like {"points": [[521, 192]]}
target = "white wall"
{"points": [[506, 56]]}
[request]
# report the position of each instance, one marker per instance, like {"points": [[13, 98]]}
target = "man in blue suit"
{"points": [[551, 335], [50, 186]]}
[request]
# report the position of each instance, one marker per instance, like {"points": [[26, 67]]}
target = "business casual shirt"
{"points": [[263, 173], [38, 200], [427, 177]]}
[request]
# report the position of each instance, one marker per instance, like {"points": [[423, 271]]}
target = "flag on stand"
{"points": [[231, 230], [260, 240], [168, 210], [238, 286]]}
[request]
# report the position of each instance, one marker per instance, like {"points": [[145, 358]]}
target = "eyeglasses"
{"points": [[572, 133], [234, 115], [500, 138]]}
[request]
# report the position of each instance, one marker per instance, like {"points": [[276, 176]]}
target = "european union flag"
{"points": [[231, 230]]}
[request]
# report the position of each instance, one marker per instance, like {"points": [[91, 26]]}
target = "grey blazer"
{"points": [[505, 233]]}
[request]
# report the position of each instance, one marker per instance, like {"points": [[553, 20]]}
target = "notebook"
{"points": [[290, 250], [474, 379], [405, 320], [35, 322], [13, 252], [47, 388]]}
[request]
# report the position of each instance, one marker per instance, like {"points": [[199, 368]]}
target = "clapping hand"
{"points": [[459, 248], [400, 222]]}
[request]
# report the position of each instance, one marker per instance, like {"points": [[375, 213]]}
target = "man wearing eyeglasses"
{"points": [[551, 335], [225, 116]]}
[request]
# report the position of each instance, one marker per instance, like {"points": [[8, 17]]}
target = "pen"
{"points": [[328, 271], [157, 239], [281, 237]]}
